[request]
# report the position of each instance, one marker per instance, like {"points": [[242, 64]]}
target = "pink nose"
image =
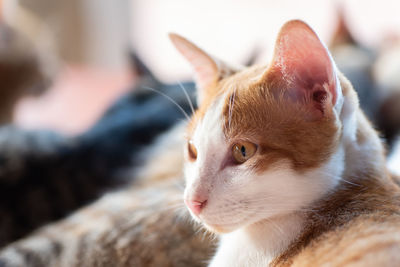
{"points": [[196, 206]]}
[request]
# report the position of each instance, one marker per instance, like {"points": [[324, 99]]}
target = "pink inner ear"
{"points": [[305, 65], [206, 71]]}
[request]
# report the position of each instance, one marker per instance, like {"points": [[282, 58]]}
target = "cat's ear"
{"points": [[304, 69], [208, 70]]}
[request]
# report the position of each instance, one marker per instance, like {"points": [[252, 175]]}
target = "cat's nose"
{"points": [[196, 205]]}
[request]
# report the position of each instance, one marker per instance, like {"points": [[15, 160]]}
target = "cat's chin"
{"points": [[220, 229], [215, 227]]}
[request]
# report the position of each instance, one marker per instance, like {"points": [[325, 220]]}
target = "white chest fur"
{"points": [[258, 244]]}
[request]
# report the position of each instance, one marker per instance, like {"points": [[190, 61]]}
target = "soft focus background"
{"points": [[84, 45]]}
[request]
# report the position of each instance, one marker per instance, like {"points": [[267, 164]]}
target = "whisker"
{"points": [[230, 112], [170, 99], [187, 96], [344, 180]]}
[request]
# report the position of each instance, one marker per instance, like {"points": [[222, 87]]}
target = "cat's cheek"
{"points": [[189, 173]]}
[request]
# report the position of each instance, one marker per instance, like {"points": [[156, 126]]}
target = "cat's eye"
{"points": [[242, 151], [192, 151]]}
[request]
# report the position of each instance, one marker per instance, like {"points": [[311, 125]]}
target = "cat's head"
{"points": [[266, 140]]}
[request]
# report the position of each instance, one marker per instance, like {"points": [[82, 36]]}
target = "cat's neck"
{"points": [[259, 243], [281, 231]]}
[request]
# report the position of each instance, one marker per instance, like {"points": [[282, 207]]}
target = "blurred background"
{"points": [[83, 47], [75, 103]]}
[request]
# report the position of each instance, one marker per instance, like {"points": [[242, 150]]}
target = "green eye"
{"points": [[242, 151]]}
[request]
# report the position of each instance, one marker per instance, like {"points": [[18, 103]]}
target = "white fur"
{"points": [[207, 138], [257, 245]]}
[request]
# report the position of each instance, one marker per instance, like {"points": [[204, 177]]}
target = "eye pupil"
{"points": [[243, 150]]}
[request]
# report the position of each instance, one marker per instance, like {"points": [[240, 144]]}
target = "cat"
{"points": [[351, 207], [284, 166]]}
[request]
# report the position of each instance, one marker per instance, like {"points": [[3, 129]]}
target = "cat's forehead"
{"points": [[243, 79], [221, 92]]}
